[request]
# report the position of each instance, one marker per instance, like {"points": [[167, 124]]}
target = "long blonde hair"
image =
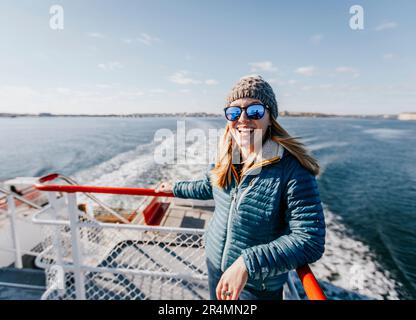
{"points": [[222, 172]]}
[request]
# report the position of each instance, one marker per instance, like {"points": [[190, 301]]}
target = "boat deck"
{"points": [[188, 214]]}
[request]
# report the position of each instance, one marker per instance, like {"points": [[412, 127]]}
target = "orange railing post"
{"points": [[310, 284]]}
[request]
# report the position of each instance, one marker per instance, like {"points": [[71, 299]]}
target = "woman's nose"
{"points": [[243, 116]]}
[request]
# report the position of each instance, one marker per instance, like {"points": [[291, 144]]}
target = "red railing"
{"points": [[310, 284], [94, 189]]}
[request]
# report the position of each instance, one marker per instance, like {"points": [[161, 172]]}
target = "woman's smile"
{"points": [[245, 135], [246, 131]]}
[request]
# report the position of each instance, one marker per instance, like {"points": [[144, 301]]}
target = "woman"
{"points": [[268, 216]]}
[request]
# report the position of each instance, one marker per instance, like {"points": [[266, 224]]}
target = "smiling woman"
{"points": [[268, 215], [252, 118]]}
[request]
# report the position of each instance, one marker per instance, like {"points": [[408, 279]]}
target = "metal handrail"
{"points": [[72, 182], [105, 190], [20, 198], [307, 278]]}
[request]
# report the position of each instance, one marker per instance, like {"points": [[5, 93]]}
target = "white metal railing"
{"points": [[12, 216], [119, 261], [18, 197], [93, 265]]}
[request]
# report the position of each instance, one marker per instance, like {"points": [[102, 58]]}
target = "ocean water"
{"points": [[367, 182]]}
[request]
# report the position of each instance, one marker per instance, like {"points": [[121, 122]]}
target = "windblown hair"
{"points": [[222, 172]]}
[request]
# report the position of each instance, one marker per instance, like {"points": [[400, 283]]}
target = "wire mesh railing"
{"points": [[18, 236], [119, 261], [88, 259]]}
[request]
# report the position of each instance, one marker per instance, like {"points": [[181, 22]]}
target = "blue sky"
{"points": [[184, 55]]}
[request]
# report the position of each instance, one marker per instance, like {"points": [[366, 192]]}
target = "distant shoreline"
{"points": [[402, 116]]}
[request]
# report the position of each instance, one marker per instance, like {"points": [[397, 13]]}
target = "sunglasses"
{"points": [[253, 112]]}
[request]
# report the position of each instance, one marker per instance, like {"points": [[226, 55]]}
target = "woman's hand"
{"points": [[232, 281], [164, 187]]}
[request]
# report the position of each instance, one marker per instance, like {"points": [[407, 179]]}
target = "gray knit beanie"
{"points": [[254, 87]]}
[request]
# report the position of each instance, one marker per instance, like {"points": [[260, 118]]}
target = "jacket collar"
{"points": [[271, 152]]}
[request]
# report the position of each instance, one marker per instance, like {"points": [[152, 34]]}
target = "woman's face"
{"points": [[244, 130]]}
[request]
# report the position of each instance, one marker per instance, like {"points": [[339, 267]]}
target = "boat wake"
{"points": [[351, 267], [348, 269]]}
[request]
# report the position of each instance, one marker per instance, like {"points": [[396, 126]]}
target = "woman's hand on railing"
{"points": [[164, 187]]}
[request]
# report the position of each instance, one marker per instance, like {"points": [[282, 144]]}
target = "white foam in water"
{"points": [[327, 158], [325, 161], [112, 166], [308, 140], [351, 265], [137, 168], [129, 169], [325, 145], [386, 133]]}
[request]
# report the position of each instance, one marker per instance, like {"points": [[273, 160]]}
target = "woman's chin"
{"points": [[244, 142]]}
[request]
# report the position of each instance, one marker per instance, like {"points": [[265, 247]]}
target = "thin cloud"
{"points": [[182, 78], [316, 39], [388, 56], [386, 26], [105, 86], [129, 93], [64, 91], [157, 91], [266, 66], [110, 66], [348, 70], [137, 93], [17, 91], [306, 71], [282, 82], [144, 38], [326, 86], [211, 82], [147, 39], [95, 35], [128, 40]]}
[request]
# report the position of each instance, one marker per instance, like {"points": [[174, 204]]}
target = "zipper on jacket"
{"points": [[230, 213]]}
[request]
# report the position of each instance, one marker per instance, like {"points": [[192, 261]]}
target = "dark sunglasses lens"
{"points": [[255, 111], [232, 113]]}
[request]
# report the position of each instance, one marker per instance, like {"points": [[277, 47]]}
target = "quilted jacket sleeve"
{"points": [[305, 242], [197, 189]]}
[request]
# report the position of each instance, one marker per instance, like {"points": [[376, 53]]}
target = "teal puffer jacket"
{"points": [[273, 217]]}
